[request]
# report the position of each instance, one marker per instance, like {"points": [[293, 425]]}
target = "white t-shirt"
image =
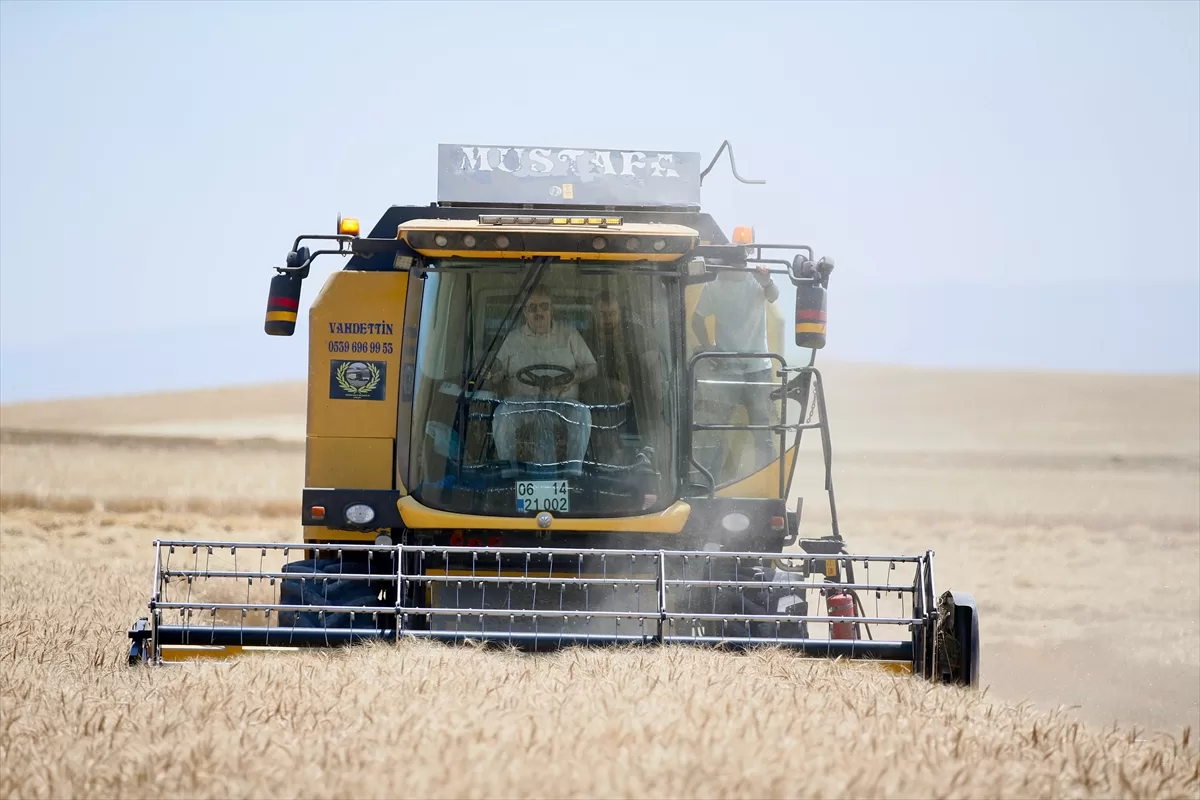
{"points": [[740, 309], [561, 345]]}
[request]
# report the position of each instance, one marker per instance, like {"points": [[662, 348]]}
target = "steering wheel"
{"points": [[528, 376]]}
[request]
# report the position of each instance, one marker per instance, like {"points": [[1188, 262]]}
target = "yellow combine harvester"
{"points": [[559, 406]]}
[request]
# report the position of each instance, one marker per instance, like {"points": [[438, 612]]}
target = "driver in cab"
{"points": [[538, 370]]}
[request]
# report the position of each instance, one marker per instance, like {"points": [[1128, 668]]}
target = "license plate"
{"points": [[543, 496]]}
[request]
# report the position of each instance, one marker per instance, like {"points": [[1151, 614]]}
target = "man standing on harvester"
{"points": [[738, 300]]}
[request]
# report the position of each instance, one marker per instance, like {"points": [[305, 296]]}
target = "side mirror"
{"points": [[811, 282], [810, 314], [283, 303]]}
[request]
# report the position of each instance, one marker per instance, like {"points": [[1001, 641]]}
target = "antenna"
{"points": [[732, 164]]}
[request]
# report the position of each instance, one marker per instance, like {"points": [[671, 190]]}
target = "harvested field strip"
{"points": [[130, 505], [126, 441]]}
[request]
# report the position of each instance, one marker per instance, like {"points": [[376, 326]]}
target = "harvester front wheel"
{"points": [[318, 583], [958, 639], [139, 647], [733, 602]]}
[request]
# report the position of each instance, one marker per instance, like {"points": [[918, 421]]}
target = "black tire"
{"points": [[321, 586], [748, 600], [139, 648], [958, 639]]}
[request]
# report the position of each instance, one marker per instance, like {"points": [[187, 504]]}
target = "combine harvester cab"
{"points": [[520, 431]]}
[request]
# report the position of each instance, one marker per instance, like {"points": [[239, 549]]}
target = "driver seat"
{"points": [[526, 439], [609, 425]]}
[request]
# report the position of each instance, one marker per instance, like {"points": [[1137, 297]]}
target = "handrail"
{"points": [[732, 164]]}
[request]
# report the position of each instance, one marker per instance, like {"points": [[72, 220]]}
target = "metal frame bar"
{"points": [[358, 246], [486, 567], [210, 546], [816, 387], [732, 165], [693, 426]]}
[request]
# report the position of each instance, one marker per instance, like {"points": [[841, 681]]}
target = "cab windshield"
{"points": [[544, 386]]}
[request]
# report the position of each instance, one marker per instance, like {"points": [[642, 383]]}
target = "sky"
{"points": [[1000, 184]]}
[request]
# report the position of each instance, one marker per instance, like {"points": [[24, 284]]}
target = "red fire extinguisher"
{"points": [[841, 604]]}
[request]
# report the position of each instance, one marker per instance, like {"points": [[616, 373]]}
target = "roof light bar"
{"points": [[567, 240], [600, 222]]}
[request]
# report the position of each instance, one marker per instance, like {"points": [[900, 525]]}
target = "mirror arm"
{"points": [[300, 259], [301, 269], [328, 237]]}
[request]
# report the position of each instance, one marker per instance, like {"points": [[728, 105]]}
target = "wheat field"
{"points": [[1074, 522]]}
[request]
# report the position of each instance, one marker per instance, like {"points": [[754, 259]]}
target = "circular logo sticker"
{"points": [[358, 375], [358, 378]]}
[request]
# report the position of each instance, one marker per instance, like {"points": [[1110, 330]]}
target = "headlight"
{"points": [[359, 514], [735, 522]]}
